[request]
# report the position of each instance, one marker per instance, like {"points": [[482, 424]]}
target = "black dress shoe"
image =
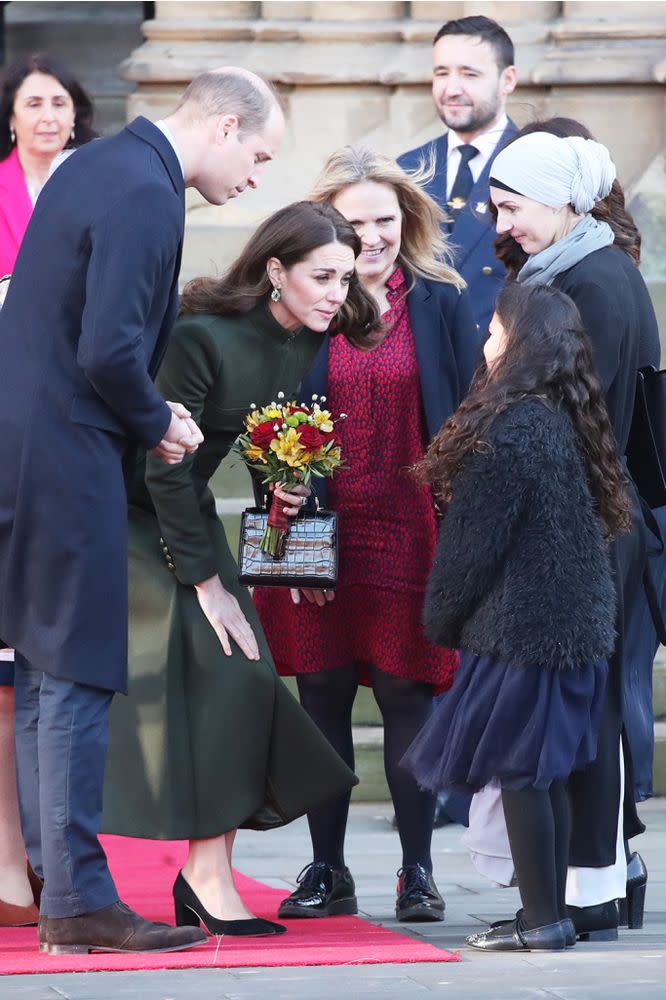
{"points": [[114, 928], [633, 905], [323, 891], [190, 912], [512, 935], [595, 923], [418, 896]]}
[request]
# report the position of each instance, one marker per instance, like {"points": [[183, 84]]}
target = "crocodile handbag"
{"points": [[311, 552]]}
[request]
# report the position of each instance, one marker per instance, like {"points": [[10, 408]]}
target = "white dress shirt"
{"points": [[168, 134], [485, 143]]}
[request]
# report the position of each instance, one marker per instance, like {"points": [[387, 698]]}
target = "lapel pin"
{"points": [[456, 204], [481, 206]]}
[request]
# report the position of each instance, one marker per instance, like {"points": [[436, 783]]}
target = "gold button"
{"points": [[486, 270]]}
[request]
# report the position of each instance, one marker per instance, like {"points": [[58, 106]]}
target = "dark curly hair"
{"points": [[611, 210], [14, 76], [290, 234], [547, 356]]}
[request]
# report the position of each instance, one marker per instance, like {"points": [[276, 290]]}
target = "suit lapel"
{"points": [[427, 345]]}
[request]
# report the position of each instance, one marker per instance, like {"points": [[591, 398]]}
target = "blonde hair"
{"points": [[424, 249]]}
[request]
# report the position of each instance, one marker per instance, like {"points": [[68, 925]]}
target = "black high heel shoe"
{"points": [[633, 905], [595, 923], [190, 913]]}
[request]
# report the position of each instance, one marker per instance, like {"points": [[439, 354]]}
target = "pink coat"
{"points": [[15, 210]]}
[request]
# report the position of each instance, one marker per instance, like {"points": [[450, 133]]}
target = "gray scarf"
{"points": [[589, 235]]}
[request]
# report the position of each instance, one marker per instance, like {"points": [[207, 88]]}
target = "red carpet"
{"points": [[144, 872]]}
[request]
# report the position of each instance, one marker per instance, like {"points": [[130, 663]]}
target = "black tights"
{"points": [[538, 824], [405, 705]]}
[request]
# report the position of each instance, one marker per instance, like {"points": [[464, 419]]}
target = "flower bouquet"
{"points": [[289, 443]]}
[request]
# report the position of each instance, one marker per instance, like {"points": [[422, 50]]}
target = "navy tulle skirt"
{"points": [[525, 726]]}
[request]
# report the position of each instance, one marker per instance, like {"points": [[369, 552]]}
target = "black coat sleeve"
{"points": [[191, 366], [490, 495], [133, 252]]}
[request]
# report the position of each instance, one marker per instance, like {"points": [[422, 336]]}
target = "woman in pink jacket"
{"points": [[43, 110]]}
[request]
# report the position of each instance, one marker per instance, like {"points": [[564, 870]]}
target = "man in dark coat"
{"points": [[473, 75], [82, 333]]}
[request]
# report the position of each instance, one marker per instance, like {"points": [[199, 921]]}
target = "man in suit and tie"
{"points": [[83, 330], [473, 75]]}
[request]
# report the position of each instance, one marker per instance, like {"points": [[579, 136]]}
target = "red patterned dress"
{"points": [[387, 525]]}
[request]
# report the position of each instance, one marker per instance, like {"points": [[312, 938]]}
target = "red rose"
{"points": [[297, 409], [263, 434], [311, 437]]}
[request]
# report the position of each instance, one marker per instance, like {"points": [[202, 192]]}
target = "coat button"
{"points": [[486, 270]]}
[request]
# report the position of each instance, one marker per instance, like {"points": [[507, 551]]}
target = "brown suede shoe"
{"points": [[18, 916], [23, 916], [115, 928]]}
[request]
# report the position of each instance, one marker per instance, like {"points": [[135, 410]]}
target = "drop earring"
{"points": [[275, 295], [12, 135], [72, 134]]}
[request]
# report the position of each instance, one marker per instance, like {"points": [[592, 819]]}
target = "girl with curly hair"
{"points": [[528, 472]]}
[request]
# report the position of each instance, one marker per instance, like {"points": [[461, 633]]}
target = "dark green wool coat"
{"points": [[205, 742]]}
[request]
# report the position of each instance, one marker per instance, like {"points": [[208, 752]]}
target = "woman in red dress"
{"points": [[396, 395]]}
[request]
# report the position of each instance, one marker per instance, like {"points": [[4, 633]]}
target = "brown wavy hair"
{"points": [[547, 356], [611, 210], [290, 234]]}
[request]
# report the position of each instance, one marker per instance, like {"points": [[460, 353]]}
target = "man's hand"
{"points": [[182, 436]]}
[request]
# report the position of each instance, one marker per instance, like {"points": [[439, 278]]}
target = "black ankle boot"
{"points": [[632, 906], [323, 891], [418, 896], [596, 923]]}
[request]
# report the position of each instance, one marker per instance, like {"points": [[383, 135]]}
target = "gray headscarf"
{"points": [[556, 171], [559, 171]]}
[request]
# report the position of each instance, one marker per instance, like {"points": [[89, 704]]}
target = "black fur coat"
{"points": [[522, 572]]}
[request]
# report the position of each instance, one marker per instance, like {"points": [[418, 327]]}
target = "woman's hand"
{"points": [[294, 497], [318, 597], [226, 618]]}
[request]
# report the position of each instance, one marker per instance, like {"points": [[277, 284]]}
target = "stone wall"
{"points": [[360, 72]]}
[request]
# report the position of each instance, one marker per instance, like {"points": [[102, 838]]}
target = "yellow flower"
{"points": [[322, 419], [271, 413], [288, 449], [253, 420], [255, 454]]}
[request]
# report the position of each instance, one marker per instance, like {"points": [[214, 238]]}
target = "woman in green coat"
{"points": [[209, 739]]}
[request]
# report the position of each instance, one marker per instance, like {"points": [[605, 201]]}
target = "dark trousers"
{"points": [[61, 731]]}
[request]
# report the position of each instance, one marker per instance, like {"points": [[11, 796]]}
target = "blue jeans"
{"points": [[61, 732]]}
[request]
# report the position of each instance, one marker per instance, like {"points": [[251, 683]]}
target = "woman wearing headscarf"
{"points": [[544, 188]]}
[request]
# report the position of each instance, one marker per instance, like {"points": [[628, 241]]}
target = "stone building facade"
{"points": [[359, 72]]}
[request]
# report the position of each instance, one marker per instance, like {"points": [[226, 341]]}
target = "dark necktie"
{"points": [[464, 181]]}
